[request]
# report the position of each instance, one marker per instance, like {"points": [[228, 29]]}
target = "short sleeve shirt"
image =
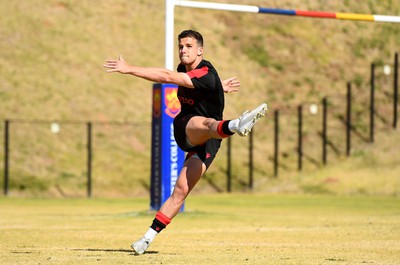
{"points": [[207, 97]]}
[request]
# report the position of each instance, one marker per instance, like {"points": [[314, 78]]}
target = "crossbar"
{"points": [[170, 5]]}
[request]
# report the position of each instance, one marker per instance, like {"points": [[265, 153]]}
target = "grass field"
{"points": [[214, 229]]}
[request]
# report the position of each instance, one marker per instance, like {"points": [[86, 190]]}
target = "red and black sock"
{"points": [[160, 222], [223, 129]]}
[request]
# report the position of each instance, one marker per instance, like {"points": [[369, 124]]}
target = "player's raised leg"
{"points": [[200, 129]]}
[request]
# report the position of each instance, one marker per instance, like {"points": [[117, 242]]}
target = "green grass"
{"points": [[216, 229]]}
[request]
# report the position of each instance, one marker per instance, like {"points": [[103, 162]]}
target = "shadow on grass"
{"points": [[112, 250]]}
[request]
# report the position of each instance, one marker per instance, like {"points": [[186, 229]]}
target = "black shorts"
{"points": [[206, 152]]}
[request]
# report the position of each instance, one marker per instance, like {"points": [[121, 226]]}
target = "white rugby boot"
{"points": [[249, 118], [141, 245]]}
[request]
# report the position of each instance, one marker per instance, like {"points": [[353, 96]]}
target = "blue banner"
{"points": [[166, 157]]}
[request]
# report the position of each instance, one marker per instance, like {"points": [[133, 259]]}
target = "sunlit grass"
{"points": [[214, 229]]}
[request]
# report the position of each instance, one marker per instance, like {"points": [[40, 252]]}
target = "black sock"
{"points": [[225, 128], [157, 225]]}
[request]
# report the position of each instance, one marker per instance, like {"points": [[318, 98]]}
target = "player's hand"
{"points": [[231, 85], [117, 65]]}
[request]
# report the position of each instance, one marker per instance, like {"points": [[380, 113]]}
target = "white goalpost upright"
{"points": [[169, 34]]}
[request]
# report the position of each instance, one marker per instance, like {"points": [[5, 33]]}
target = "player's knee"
{"points": [[181, 192], [209, 122]]}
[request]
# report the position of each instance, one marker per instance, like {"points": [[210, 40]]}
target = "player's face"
{"points": [[189, 51]]}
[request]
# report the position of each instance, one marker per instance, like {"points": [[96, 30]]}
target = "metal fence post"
{"points": [[348, 120], [89, 159], [228, 169], [251, 159], [276, 144], [6, 155], [396, 89], [300, 137], [324, 130], [372, 105]]}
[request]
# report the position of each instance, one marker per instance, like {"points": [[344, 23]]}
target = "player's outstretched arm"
{"points": [[153, 74], [231, 85]]}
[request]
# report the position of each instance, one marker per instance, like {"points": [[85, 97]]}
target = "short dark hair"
{"points": [[192, 34]]}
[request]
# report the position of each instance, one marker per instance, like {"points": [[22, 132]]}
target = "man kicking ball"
{"points": [[199, 128]]}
